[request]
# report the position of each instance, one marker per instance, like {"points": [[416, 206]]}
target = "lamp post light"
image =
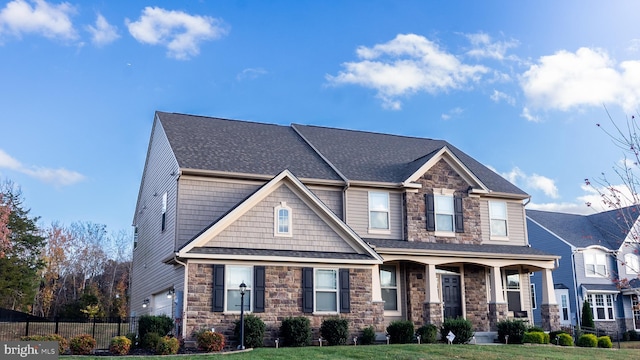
{"points": [[243, 287]]}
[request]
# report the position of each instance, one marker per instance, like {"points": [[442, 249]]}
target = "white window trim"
{"points": [[449, 194], [371, 229], [276, 220], [506, 221], [591, 298], [315, 290], [398, 311], [634, 267], [594, 254], [227, 271]]}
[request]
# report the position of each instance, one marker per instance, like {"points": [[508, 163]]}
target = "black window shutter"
{"points": [[457, 207], [218, 288], [345, 297], [307, 290], [258, 289], [431, 213]]}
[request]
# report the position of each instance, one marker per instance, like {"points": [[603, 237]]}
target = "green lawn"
{"points": [[483, 352]]}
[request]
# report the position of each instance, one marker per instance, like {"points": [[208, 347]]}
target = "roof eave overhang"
{"points": [[258, 177], [464, 254], [291, 259]]}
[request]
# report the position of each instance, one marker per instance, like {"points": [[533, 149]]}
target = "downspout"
{"points": [[575, 285], [184, 295]]}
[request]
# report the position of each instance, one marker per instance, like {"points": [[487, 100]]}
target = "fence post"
{"points": [[57, 320], [26, 331]]}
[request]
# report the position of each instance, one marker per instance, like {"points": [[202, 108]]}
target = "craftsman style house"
{"points": [[600, 265], [322, 222]]}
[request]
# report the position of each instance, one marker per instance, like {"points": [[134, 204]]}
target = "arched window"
{"points": [[282, 220]]}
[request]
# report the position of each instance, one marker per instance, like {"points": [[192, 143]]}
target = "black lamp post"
{"points": [[243, 287]]}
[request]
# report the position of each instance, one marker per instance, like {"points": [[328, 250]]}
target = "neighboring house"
{"points": [[599, 264], [322, 222]]}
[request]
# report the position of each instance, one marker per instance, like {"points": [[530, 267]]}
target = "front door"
{"points": [[451, 296]]}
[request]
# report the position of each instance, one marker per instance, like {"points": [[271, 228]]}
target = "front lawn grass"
{"points": [[413, 351]]}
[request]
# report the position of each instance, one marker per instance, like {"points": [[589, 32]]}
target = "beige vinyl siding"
{"points": [[203, 201], [358, 214], [330, 197], [255, 229], [149, 274], [516, 228]]}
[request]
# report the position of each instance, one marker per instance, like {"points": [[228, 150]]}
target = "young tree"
{"points": [[587, 316]]}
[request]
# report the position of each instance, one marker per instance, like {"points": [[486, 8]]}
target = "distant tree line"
{"points": [[72, 271]]}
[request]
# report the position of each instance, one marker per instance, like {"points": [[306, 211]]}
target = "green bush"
{"points": [[400, 332], [254, 329], [296, 331], [587, 340], [368, 336], [565, 339], [460, 327], [553, 336], [119, 345], [605, 342], [63, 344], [150, 341], [209, 341], [535, 337], [168, 345], [335, 330], [161, 324], [515, 329], [428, 333], [82, 344], [587, 316], [133, 338], [630, 335], [535, 329]]}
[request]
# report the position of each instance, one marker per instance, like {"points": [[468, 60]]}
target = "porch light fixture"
{"points": [[145, 303], [171, 293], [243, 288]]}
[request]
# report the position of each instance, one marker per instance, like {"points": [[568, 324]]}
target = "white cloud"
{"points": [[532, 182], [484, 47], [102, 33], [588, 77], [250, 73], [180, 32], [455, 112], [406, 65], [526, 113], [52, 21], [58, 177], [564, 207], [499, 96]]}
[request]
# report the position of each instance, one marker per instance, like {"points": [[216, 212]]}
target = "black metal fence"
{"points": [[577, 331], [101, 329]]}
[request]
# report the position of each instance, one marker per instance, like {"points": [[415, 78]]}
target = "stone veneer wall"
{"points": [[283, 298], [475, 290], [416, 288], [551, 317], [441, 175]]}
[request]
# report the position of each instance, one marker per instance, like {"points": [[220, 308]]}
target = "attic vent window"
{"points": [[282, 220]]}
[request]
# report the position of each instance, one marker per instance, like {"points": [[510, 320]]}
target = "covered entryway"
{"points": [[451, 296]]}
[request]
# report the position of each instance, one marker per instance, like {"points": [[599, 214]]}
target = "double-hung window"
{"points": [[601, 306], [511, 288], [235, 275], [595, 263], [282, 220], [378, 210], [389, 287], [498, 216], [631, 263], [444, 213], [326, 290]]}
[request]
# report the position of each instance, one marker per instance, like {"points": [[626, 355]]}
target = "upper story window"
{"points": [[378, 210], [282, 216], [498, 219], [164, 211], [631, 263], [595, 263], [444, 212], [235, 275]]}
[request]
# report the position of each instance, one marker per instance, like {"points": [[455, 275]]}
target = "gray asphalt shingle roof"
{"points": [[280, 253], [470, 248], [608, 229], [206, 143]]}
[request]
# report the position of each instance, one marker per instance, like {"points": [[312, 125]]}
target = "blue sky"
{"points": [[519, 85]]}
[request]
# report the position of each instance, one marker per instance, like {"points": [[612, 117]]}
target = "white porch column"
{"points": [[431, 285], [497, 295], [548, 292], [376, 291]]}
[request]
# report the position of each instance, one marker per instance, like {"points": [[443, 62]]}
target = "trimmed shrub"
{"points": [[587, 316], [119, 345], [133, 338], [535, 337], [82, 344], [630, 335], [515, 329], [150, 341], [565, 339], [168, 345], [400, 332], [460, 327], [428, 333], [296, 331], [605, 342], [335, 330], [553, 336], [587, 340], [535, 329], [63, 344], [209, 341], [254, 329], [368, 336], [161, 325]]}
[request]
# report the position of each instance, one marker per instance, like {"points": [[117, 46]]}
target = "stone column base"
{"points": [[378, 316], [432, 313], [550, 317], [497, 312]]}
